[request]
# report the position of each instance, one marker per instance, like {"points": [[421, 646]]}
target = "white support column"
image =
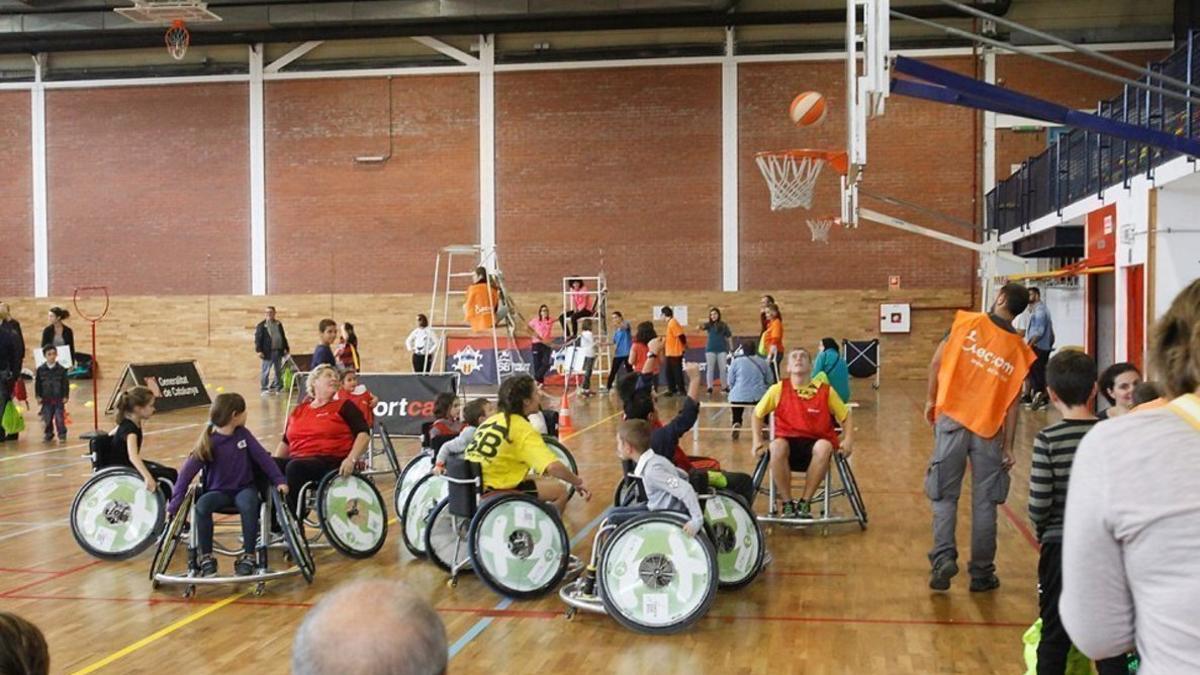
{"points": [[729, 167], [989, 134], [37, 124], [258, 199], [487, 143]]}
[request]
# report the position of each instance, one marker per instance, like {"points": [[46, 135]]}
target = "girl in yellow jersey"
{"points": [[508, 448]]}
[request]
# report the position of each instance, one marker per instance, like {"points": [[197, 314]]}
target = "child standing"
{"points": [[52, 389], [323, 352], [351, 390], [622, 340], [587, 347], [716, 349], [675, 345], [1071, 380], [347, 349], [227, 452]]}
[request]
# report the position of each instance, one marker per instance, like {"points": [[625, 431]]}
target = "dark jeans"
{"points": [[1052, 650], [541, 361], [304, 470], [1037, 375], [54, 415], [420, 363], [274, 361], [247, 503], [675, 382], [739, 408], [589, 362], [619, 364]]}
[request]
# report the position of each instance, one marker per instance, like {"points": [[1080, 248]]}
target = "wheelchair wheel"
{"points": [[417, 468], [519, 547], [736, 538], [762, 474], [626, 493], [169, 541], [418, 508], [446, 538], [113, 517], [353, 514], [564, 455], [654, 578], [293, 536], [851, 485]]}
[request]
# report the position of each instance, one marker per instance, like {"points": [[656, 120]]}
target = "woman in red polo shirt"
{"points": [[322, 435]]}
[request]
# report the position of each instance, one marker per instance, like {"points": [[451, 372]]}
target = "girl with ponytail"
{"points": [[133, 407], [228, 453]]}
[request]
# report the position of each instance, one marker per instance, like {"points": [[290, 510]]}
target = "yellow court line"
{"points": [[195, 616], [591, 426]]}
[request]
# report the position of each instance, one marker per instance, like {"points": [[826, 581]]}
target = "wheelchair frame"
{"points": [[823, 496]]}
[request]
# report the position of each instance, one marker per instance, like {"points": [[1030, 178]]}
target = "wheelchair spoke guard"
{"points": [[113, 517], [353, 515]]}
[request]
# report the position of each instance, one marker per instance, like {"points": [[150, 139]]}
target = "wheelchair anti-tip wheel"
{"points": [[446, 539], [736, 537], [518, 546], [418, 510], [417, 468], [113, 517], [654, 578], [352, 514]]}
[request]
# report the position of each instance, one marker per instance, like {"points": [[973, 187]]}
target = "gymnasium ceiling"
{"points": [[87, 38]]}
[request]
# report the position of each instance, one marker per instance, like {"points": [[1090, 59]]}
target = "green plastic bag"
{"points": [[12, 420], [1077, 663], [288, 373]]}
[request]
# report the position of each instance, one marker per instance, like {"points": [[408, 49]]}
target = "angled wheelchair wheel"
{"points": [[293, 536], [736, 537], [654, 578], [389, 450], [417, 468], [446, 539], [564, 455], [626, 493], [418, 509], [762, 474], [113, 517], [852, 493], [353, 514], [169, 541], [518, 545]]}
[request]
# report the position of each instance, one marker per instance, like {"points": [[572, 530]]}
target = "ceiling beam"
{"points": [[279, 63], [449, 50]]}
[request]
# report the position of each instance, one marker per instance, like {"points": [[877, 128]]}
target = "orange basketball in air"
{"points": [[808, 109]]}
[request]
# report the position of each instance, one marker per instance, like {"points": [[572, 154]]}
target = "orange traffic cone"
{"points": [[564, 415]]}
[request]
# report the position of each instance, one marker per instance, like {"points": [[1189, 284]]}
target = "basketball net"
{"points": [[820, 229], [792, 174], [177, 39]]}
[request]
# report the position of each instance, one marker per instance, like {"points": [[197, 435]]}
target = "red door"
{"points": [[1135, 306]]}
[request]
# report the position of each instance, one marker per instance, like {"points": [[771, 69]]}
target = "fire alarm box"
{"points": [[895, 318]]}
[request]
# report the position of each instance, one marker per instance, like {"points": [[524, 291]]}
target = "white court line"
{"points": [[84, 445], [36, 528]]}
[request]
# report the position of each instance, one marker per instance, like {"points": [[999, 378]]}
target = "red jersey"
{"points": [[797, 417], [361, 398], [318, 432]]}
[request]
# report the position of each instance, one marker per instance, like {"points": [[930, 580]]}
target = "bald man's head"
{"points": [[370, 628]]}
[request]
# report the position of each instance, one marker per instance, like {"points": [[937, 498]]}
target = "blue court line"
{"points": [[474, 631]]}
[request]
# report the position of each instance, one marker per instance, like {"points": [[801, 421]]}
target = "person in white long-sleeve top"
{"points": [[1131, 533], [422, 343]]}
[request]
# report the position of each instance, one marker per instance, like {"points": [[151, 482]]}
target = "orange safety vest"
{"points": [[481, 306], [982, 369]]}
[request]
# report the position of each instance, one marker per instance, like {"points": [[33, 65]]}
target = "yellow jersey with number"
{"points": [[507, 448]]}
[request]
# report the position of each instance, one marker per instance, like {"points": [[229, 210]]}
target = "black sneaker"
{"points": [[244, 566], [737, 431], [943, 571], [208, 566], [985, 584]]}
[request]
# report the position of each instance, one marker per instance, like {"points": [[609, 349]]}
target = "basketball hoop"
{"points": [[820, 228], [792, 174], [93, 317], [177, 39]]}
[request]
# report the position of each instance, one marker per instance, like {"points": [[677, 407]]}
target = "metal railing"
{"points": [[1081, 163]]}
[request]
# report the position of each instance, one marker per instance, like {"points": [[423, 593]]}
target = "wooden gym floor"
{"points": [[848, 602]]}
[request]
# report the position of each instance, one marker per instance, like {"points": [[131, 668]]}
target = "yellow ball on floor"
{"points": [[88, 404], [220, 389]]}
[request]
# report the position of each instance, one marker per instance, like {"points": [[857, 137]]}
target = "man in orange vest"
{"points": [[975, 378]]}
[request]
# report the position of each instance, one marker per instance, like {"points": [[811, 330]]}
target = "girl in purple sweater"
{"points": [[225, 451]]}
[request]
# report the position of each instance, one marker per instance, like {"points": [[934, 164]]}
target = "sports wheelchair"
{"points": [[113, 516], [182, 529], [350, 514], [822, 497]]}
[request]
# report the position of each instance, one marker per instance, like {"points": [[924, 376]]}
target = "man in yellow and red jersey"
{"points": [[974, 380]]}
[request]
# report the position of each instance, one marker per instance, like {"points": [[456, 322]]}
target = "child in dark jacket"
{"points": [[52, 389], [228, 452]]}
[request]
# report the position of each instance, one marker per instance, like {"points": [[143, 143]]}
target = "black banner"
{"points": [[175, 385], [406, 399]]}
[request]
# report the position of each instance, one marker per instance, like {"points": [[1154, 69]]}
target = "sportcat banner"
{"points": [[176, 385], [476, 359], [406, 399]]}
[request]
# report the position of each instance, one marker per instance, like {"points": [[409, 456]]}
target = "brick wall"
{"points": [[613, 169], [919, 152], [149, 189], [337, 226], [16, 202]]}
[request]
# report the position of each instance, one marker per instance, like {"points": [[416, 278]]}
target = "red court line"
{"points": [[786, 573], [886, 622], [50, 577], [1021, 527], [28, 570]]}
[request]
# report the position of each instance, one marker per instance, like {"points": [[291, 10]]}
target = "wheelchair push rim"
{"points": [[417, 468], [446, 539], [736, 538], [564, 455], [113, 517], [518, 545], [418, 509], [297, 545], [353, 515], [654, 578]]}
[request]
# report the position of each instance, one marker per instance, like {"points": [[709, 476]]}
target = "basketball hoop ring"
{"points": [[820, 228], [177, 39], [792, 174]]}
